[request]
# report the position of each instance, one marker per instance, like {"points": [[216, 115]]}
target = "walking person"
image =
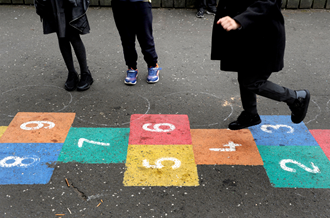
{"points": [[133, 19], [67, 18], [249, 38]]}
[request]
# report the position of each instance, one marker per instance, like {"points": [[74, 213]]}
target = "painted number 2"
{"points": [[40, 124], [285, 161], [156, 127]]}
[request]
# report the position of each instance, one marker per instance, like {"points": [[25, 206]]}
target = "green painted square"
{"points": [[95, 145], [296, 166]]}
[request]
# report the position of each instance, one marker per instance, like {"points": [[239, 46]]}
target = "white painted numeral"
{"points": [[265, 128], [159, 165], [18, 161], [157, 129], [40, 124], [82, 140], [232, 147], [285, 161]]}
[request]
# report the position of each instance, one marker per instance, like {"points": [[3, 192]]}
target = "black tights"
{"points": [[79, 49]]}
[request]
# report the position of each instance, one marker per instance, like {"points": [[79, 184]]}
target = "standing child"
{"points": [[249, 38], [68, 19], [133, 19]]}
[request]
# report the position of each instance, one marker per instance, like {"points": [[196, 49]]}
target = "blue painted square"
{"points": [[280, 131], [22, 163], [296, 166]]}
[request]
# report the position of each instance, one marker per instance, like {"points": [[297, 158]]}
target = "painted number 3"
{"points": [[156, 127], [40, 124]]}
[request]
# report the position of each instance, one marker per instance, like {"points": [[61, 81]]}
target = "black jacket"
{"points": [[259, 45], [61, 15]]}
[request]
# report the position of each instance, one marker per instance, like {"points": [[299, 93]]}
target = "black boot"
{"points": [[85, 82], [245, 120], [72, 81], [300, 106]]}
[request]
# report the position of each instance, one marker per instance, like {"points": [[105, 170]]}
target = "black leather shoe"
{"points": [[245, 120], [72, 81], [85, 82], [299, 107]]}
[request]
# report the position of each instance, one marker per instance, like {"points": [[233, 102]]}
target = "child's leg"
{"points": [[66, 52], [124, 16], [258, 83], [79, 50], [249, 100], [144, 32]]}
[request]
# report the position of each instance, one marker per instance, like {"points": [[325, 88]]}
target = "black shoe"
{"points": [[299, 107], [85, 82], [72, 81], [245, 120], [200, 13], [211, 12]]}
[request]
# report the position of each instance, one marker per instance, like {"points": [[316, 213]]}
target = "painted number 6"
{"points": [[40, 124], [157, 129]]}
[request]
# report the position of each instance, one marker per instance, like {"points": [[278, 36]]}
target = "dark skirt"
{"points": [[61, 18]]}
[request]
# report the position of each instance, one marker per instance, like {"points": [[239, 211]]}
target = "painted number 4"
{"points": [[156, 127]]}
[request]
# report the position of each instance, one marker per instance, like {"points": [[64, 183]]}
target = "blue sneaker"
{"points": [[131, 77], [153, 74]]}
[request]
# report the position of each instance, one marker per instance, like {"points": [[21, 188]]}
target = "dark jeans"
{"points": [[134, 19], [206, 4], [252, 84]]}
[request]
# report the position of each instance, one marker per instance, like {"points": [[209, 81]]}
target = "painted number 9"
{"points": [[157, 129], [40, 124]]}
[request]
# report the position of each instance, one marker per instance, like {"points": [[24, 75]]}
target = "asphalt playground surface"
{"points": [[32, 80]]}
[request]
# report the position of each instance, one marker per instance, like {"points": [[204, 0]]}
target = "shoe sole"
{"points": [[243, 127], [210, 13], [84, 89], [129, 83], [151, 82], [308, 97], [69, 89]]}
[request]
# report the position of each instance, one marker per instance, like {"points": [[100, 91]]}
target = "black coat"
{"points": [[63, 16], [259, 45]]}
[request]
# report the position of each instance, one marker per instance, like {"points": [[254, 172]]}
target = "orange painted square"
{"points": [[245, 154], [44, 134]]}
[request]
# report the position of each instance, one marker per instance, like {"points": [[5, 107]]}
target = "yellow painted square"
{"points": [[2, 130], [158, 165]]}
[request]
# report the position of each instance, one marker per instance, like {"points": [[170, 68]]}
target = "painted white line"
{"points": [[232, 147], [82, 140], [316, 114], [265, 128], [159, 165], [285, 161]]}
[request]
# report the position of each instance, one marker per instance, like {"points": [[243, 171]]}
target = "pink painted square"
{"points": [[322, 137], [159, 129]]}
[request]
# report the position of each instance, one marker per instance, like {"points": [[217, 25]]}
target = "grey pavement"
{"points": [[32, 79]]}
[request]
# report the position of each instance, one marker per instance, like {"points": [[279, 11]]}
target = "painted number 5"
{"points": [[40, 124], [157, 129]]}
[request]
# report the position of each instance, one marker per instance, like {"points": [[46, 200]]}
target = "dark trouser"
{"points": [[252, 84], [134, 19], [206, 4]]}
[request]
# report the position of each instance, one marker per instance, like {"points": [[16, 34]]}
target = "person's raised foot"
{"points": [[300, 106], [245, 120]]}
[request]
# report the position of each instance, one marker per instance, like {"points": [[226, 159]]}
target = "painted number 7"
{"points": [[157, 129]]}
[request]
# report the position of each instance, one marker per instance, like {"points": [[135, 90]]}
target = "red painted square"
{"points": [[159, 129], [322, 137]]}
